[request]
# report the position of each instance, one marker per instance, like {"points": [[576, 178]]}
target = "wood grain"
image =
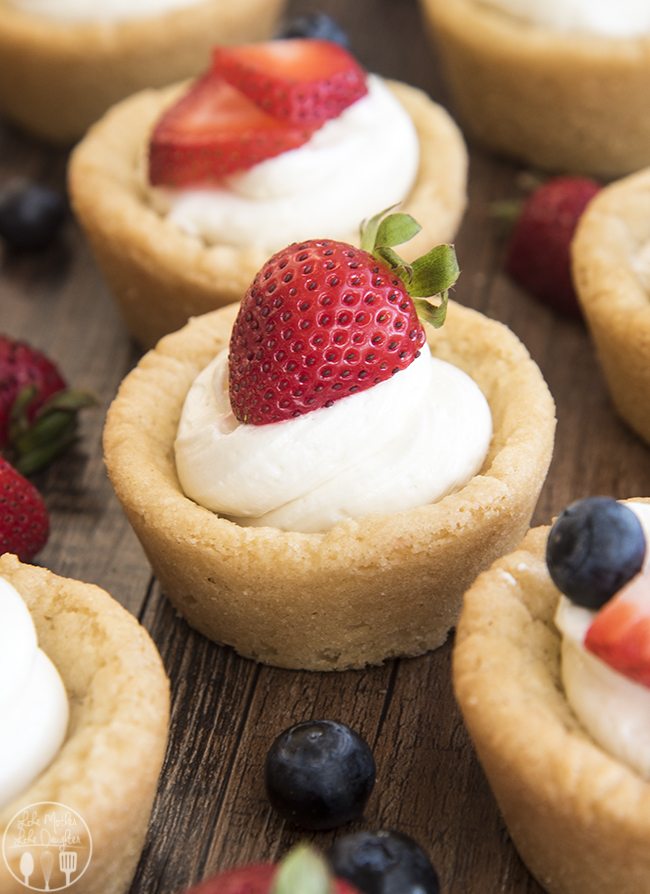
{"points": [[211, 811]]}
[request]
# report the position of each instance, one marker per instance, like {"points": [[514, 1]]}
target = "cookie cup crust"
{"points": [[565, 102], [159, 275], [366, 590], [615, 301], [57, 79], [579, 818], [107, 769]]}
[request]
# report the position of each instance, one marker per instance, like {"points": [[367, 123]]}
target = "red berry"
{"points": [[304, 82], [22, 366], [620, 633], [24, 523], [321, 320], [538, 257], [254, 879], [34, 429], [214, 130]]}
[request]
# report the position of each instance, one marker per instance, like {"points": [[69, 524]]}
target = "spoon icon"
{"points": [[26, 867]]}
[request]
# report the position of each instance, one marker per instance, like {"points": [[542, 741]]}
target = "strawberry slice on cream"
{"points": [[258, 101], [213, 131], [303, 82], [620, 632]]}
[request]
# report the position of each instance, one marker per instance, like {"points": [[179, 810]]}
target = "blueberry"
{"points": [[319, 774], [317, 26], [383, 863], [30, 215], [595, 547]]}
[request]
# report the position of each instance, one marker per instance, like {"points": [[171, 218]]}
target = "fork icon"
{"points": [[68, 864]]}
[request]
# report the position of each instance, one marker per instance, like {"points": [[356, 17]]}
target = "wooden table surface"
{"points": [[211, 810]]}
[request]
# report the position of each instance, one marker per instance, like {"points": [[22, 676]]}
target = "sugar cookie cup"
{"points": [[58, 78], [563, 102], [579, 818], [160, 276], [611, 268], [107, 769], [366, 590]]}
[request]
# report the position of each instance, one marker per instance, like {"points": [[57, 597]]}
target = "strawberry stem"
{"points": [[34, 444], [431, 275]]}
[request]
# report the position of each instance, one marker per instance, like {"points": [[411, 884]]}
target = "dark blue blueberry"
{"points": [[30, 215], [318, 26], [319, 774], [595, 547], [383, 863]]}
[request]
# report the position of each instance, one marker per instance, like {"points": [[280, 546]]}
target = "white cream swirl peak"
{"points": [[408, 441], [33, 700]]}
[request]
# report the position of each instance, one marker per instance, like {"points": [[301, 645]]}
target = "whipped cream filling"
{"points": [[402, 443], [95, 11], [33, 702], [353, 167], [624, 18], [613, 709]]}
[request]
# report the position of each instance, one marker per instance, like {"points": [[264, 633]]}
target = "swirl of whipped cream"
{"points": [[354, 166], [33, 701], [97, 10], [624, 18], [613, 709], [402, 443]]}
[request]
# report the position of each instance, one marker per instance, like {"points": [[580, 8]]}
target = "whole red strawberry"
{"points": [[323, 320], [37, 411], [303, 869], [538, 257], [24, 523]]}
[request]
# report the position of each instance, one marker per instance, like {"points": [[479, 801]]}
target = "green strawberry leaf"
{"points": [[434, 273], [435, 314], [303, 870], [385, 230], [396, 229]]}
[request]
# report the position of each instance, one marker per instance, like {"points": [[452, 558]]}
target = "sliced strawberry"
{"points": [[303, 82], [214, 130], [302, 869], [256, 879], [620, 632]]}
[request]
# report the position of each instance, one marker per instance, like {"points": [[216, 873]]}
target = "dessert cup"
{"points": [[366, 590], [579, 818], [561, 101], [611, 267], [57, 78], [160, 276], [108, 766]]}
